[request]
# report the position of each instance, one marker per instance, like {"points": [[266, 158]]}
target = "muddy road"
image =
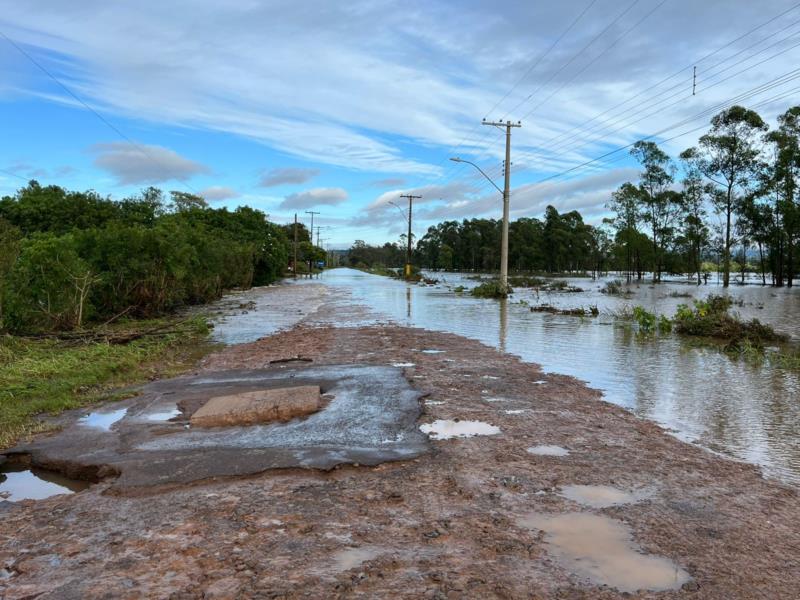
{"points": [[530, 488]]}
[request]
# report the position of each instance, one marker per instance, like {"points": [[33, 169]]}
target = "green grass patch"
{"points": [[491, 289], [49, 375]]}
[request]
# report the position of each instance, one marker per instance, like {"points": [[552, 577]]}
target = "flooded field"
{"points": [[743, 410]]}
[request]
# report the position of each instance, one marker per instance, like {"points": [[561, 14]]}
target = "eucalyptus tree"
{"points": [[728, 156], [624, 204], [784, 173], [660, 207], [696, 193]]}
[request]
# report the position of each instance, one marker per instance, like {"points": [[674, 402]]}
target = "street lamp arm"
{"points": [[404, 213], [461, 160]]}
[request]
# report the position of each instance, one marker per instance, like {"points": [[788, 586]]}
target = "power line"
{"points": [[536, 63], [105, 121], [11, 174]]}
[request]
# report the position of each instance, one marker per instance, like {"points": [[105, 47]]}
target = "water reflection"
{"points": [[747, 411]]}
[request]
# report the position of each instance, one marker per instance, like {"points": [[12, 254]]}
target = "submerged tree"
{"points": [[728, 157], [660, 204]]}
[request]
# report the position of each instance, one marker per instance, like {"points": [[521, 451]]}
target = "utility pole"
{"points": [[408, 250], [311, 241], [506, 194], [294, 265]]}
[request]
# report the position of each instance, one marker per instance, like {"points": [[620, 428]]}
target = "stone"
{"points": [[260, 406]]}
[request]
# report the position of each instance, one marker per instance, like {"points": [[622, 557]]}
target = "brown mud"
{"points": [[473, 518]]}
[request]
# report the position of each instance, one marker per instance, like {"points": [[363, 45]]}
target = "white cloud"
{"points": [[219, 192], [314, 197], [286, 175], [143, 164]]}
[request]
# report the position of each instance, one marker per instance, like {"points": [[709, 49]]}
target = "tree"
{"points": [[695, 194], [783, 179], [625, 205], [728, 157], [660, 205]]}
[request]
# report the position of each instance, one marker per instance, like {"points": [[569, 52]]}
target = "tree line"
{"points": [[70, 258], [734, 208]]}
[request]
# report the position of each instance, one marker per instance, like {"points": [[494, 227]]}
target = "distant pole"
{"points": [[506, 194], [294, 266], [408, 248], [694, 81], [311, 241]]}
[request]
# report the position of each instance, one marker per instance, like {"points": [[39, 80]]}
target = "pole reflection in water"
{"points": [[503, 323], [408, 301]]}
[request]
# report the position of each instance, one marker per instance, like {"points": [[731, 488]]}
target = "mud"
{"points": [[450, 523]]}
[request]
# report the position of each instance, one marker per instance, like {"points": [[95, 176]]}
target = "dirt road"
{"points": [[508, 514]]}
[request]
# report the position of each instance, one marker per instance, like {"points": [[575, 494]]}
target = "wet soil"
{"points": [[469, 519]]}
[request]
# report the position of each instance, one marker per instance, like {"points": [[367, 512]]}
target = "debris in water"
{"points": [[101, 420], [601, 550], [445, 429], [548, 451], [598, 496], [36, 484]]}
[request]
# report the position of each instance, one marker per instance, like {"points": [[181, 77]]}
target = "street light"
{"points": [[504, 240]]}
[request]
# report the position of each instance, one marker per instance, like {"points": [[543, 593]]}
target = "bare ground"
{"points": [[445, 525]]}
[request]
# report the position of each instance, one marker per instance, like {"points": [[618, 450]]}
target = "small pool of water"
{"points": [[601, 550], [445, 429], [103, 420], [36, 484]]}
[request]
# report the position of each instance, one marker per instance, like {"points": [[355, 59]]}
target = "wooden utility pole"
{"points": [[408, 249], [506, 193]]}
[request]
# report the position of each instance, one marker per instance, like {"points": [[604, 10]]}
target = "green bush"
{"points": [[710, 318], [491, 289]]}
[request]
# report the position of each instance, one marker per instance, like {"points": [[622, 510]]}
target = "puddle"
{"points": [[598, 496], [433, 351], [103, 420], [36, 484], [403, 365], [350, 558], [601, 550], [497, 399], [548, 451], [434, 402], [518, 411], [446, 429], [164, 416]]}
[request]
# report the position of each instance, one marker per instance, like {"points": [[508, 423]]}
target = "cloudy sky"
{"points": [[340, 107]]}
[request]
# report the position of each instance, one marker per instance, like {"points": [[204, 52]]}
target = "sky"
{"points": [[341, 107]]}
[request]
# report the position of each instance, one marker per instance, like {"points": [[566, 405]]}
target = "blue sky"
{"points": [[341, 107]]}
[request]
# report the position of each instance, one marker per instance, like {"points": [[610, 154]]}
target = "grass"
{"points": [[47, 376]]}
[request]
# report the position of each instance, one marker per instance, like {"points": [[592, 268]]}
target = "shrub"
{"points": [[710, 318], [491, 289]]}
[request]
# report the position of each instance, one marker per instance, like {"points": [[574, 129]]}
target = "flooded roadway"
{"points": [[744, 410]]}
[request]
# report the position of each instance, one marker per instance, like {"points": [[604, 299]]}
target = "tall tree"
{"points": [[660, 206], [728, 157], [695, 194], [625, 206]]}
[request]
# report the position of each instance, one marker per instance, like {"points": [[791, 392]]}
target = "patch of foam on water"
{"points": [[518, 411], [602, 551], [103, 420], [403, 365], [444, 429], [548, 451], [598, 496], [497, 399], [36, 484]]}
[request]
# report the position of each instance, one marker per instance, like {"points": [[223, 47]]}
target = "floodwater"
{"points": [[600, 549], [103, 420], [36, 484], [744, 410]]}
